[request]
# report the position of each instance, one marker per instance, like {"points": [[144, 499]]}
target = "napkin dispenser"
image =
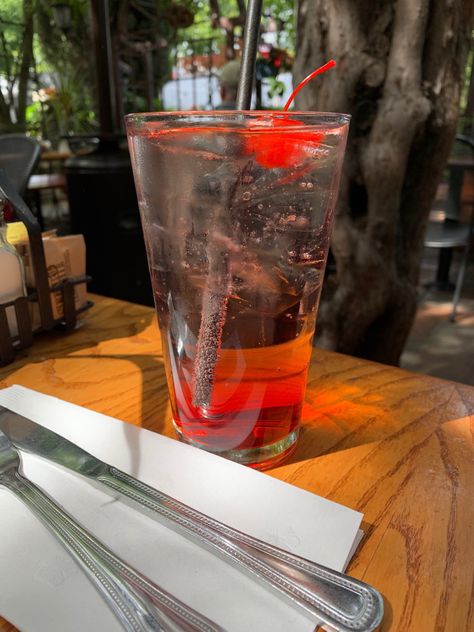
{"points": [[65, 258], [34, 312]]}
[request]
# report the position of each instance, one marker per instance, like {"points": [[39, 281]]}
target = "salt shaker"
{"points": [[12, 279]]}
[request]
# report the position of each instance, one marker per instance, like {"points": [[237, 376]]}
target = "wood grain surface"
{"points": [[395, 445]]}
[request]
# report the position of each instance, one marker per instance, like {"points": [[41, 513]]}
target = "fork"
{"points": [[138, 603]]}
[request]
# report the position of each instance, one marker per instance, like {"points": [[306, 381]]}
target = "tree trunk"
{"points": [[6, 100], [26, 62], [469, 110], [399, 73], [5, 118]]}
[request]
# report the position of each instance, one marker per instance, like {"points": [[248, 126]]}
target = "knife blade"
{"points": [[343, 602]]}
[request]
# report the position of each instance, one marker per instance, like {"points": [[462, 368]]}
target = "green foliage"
{"points": [[65, 65], [202, 27], [59, 62], [35, 119], [11, 24], [14, 38], [283, 10], [275, 87]]}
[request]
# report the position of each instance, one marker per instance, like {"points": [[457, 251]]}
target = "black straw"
{"points": [[219, 282], [249, 54]]}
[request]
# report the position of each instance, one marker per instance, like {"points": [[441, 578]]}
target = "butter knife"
{"points": [[345, 603]]}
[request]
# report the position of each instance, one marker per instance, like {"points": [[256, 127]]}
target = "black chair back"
{"points": [[19, 157]]}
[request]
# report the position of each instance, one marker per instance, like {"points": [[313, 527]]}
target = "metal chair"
{"points": [[19, 157], [452, 233]]}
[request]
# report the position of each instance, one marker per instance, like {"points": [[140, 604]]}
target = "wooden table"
{"points": [[395, 445], [56, 156]]}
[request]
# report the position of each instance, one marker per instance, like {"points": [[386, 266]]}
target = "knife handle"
{"points": [[139, 604], [345, 603]]}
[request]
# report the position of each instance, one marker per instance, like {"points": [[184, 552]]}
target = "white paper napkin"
{"points": [[41, 588]]}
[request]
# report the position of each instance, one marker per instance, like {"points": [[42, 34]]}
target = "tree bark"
{"points": [[5, 118], [399, 73], [469, 109]]}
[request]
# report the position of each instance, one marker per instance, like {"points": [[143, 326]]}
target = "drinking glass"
{"points": [[236, 209]]}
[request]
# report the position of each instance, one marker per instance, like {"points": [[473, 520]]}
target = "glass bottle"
{"points": [[12, 278]]}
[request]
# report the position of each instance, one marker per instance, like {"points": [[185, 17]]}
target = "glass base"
{"points": [[261, 458]]}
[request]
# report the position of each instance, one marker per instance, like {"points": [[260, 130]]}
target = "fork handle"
{"points": [[138, 603], [345, 603]]}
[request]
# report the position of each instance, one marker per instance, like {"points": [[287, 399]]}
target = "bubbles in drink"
{"points": [[237, 231]]}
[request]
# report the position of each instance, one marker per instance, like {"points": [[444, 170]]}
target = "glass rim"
{"points": [[303, 116]]}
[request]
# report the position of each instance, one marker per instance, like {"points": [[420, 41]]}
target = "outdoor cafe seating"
{"points": [[204, 427], [454, 229]]}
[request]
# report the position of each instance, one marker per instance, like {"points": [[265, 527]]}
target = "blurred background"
{"points": [[165, 56]]}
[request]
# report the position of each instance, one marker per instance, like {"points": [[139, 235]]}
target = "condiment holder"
{"points": [[41, 295]]}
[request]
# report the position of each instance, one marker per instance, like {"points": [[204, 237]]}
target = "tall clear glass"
{"points": [[237, 209]]}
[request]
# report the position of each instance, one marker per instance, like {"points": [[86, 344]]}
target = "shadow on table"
{"points": [[127, 321], [153, 401], [154, 404]]}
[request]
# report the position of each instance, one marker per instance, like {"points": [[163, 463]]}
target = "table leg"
{"points": [[442, 281]]}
